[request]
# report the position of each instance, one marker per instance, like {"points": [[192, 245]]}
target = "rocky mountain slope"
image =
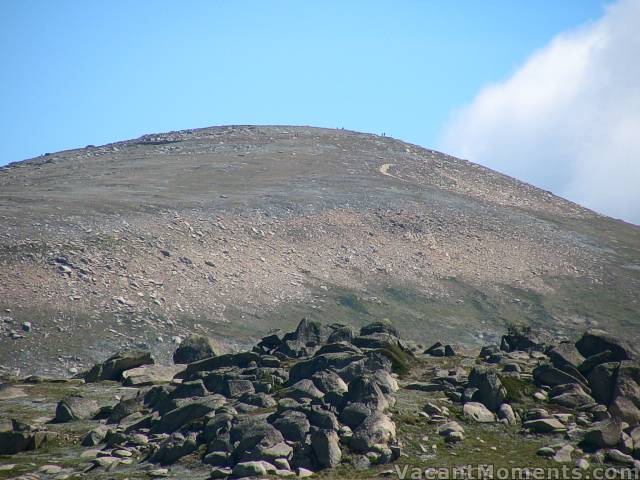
{"points": [[233, 231]]}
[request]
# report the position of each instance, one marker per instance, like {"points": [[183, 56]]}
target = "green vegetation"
{"points": [[401, 360], [518, 389]]}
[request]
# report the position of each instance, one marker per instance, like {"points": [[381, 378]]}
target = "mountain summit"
{"points": [[233, 231]]}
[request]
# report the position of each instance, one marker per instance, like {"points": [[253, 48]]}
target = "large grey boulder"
{"points": [[327, 381], [326, 361], [478, 412], [625, 402], [326, 447], [379, 327], [174, 419], [174, 448], [604, 434], [75, 407], [149, 375], [544, 425], [253, 437], [343, 333], [374, 433], [565, 353], [548, 375], [602, 380], [293, 425], [597, 341], [570, 395], [354, 414], [239, 360], [14, 437], [254, 469], [491, 393], [113, 367], [303, 389], [365, 390], [193, 348]]}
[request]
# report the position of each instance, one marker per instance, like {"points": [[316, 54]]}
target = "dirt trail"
{"points": [[384, 169]]}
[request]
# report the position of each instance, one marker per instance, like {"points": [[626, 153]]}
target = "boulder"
{"points": [[174, 419], [193, 348], [548, 375], [252, 469], [343, 333], [194, 388], [125, 407], [303, 389], [544, 425], [507, 415], [478, 412], [565, 353], [596, 341], [375, 341], [625, 401], [237, 388], [604, 434], [374, 433], [365, 390], [75, 407], [354, 414], [570, 395], [326, 447], [387, 384], [326, 361], [490, 391], [435, 350], [15, 437], [239, 360], [217, 426], [260, 400], [113, 367], [149, 375], [379, 327], [523, 339], [293, 425], [174, 448], [94, 437], [327, 381], [253, 437], [602, 381], [594, 360]]}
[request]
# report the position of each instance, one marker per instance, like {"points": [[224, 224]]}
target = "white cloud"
{"points": [[568, 120]]}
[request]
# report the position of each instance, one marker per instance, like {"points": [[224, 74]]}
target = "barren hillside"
{"points": [[238, 230]]}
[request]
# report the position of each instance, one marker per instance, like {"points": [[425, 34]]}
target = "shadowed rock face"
{"points": [[229, 232]]}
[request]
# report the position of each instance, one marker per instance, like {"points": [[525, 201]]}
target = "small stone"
{"points": [[121, 453], [158, 472], [546, 452], [50, 469]]}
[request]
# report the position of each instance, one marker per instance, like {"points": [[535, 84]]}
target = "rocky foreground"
{"points": [[328, 401]]}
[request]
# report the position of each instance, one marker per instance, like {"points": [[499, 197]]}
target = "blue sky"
{"points": [[77, 72]]}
